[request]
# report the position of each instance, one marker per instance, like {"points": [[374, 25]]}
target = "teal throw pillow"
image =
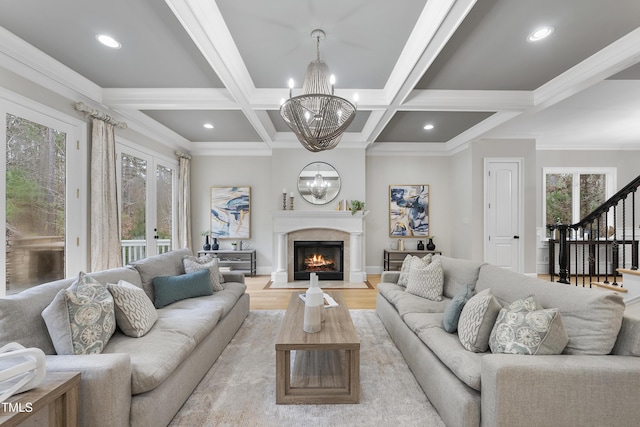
{"points": [[169, 289], [453, 310]]}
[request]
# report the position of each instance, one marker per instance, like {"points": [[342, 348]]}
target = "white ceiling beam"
{"points": [[476, 132], [436, 24], [170, 99], [203, 22], [612, 59], [467, 100]]}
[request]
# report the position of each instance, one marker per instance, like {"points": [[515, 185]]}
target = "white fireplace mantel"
{"points": [[285, 222]]}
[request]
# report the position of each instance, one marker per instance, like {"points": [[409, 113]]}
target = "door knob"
{"points": [[516, 237]]}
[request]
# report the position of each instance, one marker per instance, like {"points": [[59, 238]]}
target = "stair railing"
{"points": [[583, 246]]}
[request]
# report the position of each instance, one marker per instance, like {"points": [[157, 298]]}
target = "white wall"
{"points": [[383, 171]]}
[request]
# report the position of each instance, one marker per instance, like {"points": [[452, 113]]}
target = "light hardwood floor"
{"points": [[278, 299]]}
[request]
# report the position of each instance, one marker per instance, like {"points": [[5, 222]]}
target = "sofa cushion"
{"points": [[81, 319], [193, 264], [404, 271], [447, 347], [425, 280], [628, 342], [476, 321], [21, 314], [451, 314], [528, 332], [591, 317], [167, 264], [169, 289], [458, 273], [135, 313]]}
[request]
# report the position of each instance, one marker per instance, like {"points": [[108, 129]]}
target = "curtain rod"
{"points": [[97, 114], [183, 155]]}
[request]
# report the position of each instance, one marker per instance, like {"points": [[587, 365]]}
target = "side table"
{"points": [[53, 403], [392, 259]]}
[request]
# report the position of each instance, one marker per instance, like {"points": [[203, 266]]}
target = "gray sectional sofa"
{"points": [[594, 382], [137, 381]]}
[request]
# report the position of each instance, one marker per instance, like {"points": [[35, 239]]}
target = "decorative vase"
{"points": [[420, 245], [206, 245], [313, 307], [430, 245], [215, 246]]}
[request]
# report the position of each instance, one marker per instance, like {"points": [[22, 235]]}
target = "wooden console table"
{"points": [[392, 259], [53, 403], [243, 261]]}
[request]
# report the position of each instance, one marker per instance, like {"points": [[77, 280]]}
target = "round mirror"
{"points": [[319, 183]]}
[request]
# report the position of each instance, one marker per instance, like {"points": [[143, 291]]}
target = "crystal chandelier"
{"points": [[318, 187], [317, 117]]}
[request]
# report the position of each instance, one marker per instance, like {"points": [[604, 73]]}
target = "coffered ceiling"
{"points": [[463, 66]]}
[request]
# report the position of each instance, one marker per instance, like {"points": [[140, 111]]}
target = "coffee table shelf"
{"points": [[327, 363]]}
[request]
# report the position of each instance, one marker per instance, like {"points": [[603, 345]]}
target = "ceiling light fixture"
{"points": [[208, 125], [317, 117], [428, 127], [540, 33], [108, 41]]}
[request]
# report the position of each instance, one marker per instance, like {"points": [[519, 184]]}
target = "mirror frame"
{"points": [[328, 172]]}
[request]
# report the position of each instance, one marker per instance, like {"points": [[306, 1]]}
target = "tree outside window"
{"points": [[570, 194]]}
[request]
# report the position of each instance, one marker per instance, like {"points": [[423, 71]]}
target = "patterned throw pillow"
{"points": [[451, 314], [476, 321], [406, 266], [135, 313], [521, 328], [426, 280], [404, 271], [81, 319], [193, 264]]}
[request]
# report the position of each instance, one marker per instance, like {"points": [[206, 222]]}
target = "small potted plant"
{"points": [[356, 205]]}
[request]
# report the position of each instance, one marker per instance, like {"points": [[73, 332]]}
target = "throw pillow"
{"points": [[426, 280], [135, 313], [169, 289], [476, 321], [404, 271], [528, 332], [193, 264], [452, 312], [81, 319]]}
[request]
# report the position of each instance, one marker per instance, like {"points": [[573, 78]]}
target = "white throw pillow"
{"points": [[426, 280], [135, 313], [193, 264]]}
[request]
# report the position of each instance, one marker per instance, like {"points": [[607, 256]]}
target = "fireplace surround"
{"points": [[322, 225]]}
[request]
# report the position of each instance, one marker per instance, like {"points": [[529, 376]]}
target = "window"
{"points": [[570, 194], [43, 194]]}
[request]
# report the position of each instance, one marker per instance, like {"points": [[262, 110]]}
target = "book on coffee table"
{"points": [[328, 300]]}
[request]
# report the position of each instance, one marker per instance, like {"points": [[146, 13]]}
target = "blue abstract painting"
{"points": [[231, 212], [408, 210]]}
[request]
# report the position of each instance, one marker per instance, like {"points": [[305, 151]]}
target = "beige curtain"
{"points": [[105, 217], [184, 201]]}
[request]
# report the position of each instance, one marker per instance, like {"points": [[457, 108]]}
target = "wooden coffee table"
{"points": [[326, 366]]}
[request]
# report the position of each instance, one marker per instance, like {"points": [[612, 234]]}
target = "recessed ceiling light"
{"points": [[108, 41], [428, 127], [208, 125], [540, 33]]}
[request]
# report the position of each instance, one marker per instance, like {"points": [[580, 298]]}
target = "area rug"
{"points": [[324, 284], [239, 390]]}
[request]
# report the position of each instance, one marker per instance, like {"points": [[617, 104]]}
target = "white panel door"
{"points": [[503, 216]]}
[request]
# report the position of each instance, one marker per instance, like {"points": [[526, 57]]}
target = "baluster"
{"points": [[614, 248], [606, 249], [562, 254], [634, 244]]}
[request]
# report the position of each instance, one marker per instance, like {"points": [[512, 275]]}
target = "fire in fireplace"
{"points": [[325, 258]]}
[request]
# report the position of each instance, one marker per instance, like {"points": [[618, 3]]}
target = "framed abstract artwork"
{"points": [[231, 212], [408, 210]]}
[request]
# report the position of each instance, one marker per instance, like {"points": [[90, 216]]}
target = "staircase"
{"points": [[601, 248]]}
